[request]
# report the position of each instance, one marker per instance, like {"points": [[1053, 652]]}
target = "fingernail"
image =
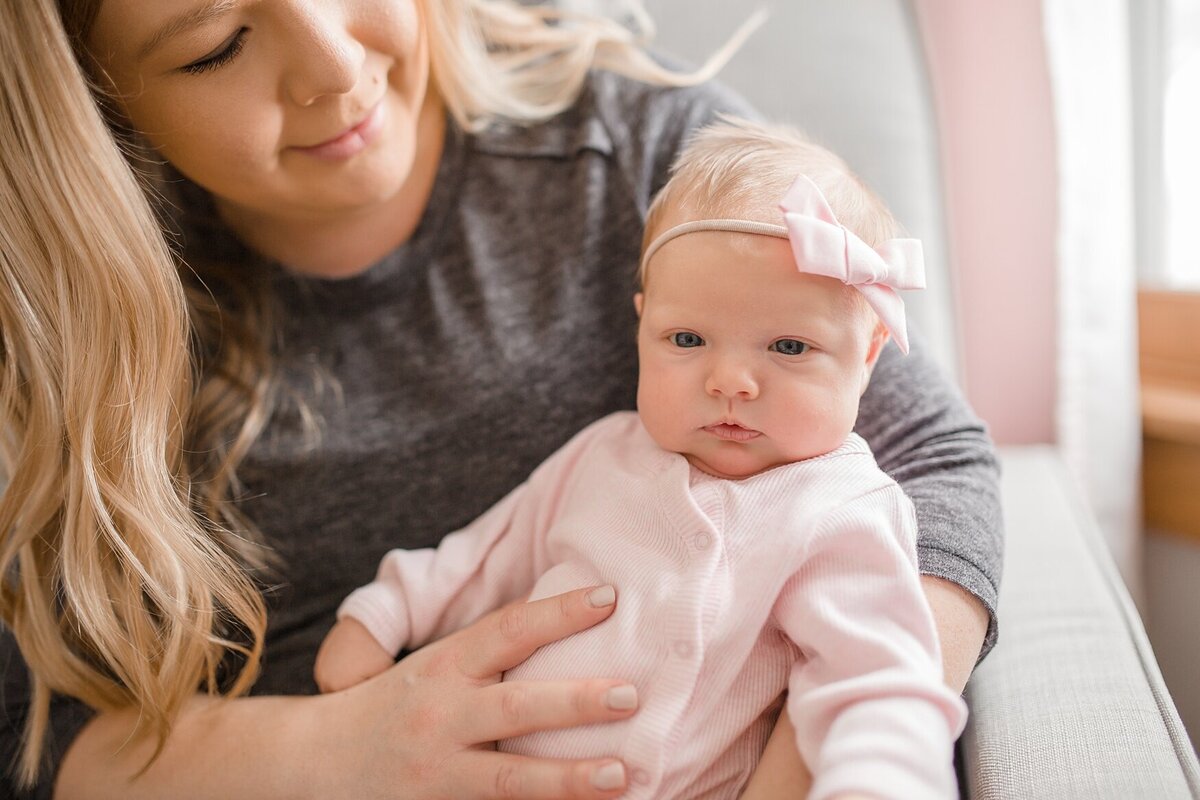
{"points": [[604, 596], [610, 776], [621, 698]]}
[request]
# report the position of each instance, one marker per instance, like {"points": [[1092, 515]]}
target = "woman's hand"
{"points": [[424, 728], [421, 730]]}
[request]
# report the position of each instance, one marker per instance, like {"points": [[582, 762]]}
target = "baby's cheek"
{"points": [[662, 408]]}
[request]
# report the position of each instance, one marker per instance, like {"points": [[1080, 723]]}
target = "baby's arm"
{"points": [[422, 595], [417, 594], [348, 656], [872, 714]]}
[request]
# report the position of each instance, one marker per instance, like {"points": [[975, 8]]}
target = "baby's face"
{"points": [[746, 363]]}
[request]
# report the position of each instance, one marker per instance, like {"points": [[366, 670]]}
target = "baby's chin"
{"points": [[736, 462], [731, 469]]}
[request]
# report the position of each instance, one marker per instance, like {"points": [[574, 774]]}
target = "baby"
{"points": [[757, 547]]}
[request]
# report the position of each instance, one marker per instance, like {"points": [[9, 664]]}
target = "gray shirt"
{"points": [[451, 368]]}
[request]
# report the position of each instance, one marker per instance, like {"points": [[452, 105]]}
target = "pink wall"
{"points": [[992, 94]]}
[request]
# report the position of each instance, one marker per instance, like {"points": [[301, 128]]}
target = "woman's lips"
{"points": [[353, 141], [731, 432]]}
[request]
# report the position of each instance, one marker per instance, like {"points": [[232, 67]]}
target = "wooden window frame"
{"points": [[1169, 346]]}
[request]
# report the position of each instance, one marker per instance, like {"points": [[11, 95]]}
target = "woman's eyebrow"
{"points": [[184, 22]]}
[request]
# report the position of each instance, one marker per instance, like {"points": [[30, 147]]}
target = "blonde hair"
{"points": [[739, 169], [116, 591], [493, 59], [132, 385]]}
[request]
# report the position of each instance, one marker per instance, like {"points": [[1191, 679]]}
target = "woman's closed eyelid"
{"points": [[223, 54]]}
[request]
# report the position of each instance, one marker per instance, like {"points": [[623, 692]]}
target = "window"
{"points": [[1166, 51], [1181, 145]]}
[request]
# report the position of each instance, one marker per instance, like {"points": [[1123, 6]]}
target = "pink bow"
{"points": [[822, 246]]}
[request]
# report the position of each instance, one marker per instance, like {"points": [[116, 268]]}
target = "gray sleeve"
{"points": [[925, 436], [67, 718]]}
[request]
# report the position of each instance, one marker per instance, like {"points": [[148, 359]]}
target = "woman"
{"points": [[405, 236]]}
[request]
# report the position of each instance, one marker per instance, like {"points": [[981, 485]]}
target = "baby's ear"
{"points": [[879, 338], [637, 303]]}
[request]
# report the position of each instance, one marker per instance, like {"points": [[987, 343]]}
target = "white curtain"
{"points": [[1180, 88], [1087, 44]]}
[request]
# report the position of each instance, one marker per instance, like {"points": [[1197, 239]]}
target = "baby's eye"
{"points": [[686, 340], [789, 347]]}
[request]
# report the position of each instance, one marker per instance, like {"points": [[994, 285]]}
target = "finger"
{"points": [[486, 775], [508, 636], [504, 710]]}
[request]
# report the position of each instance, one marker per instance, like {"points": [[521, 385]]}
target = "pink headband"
{"points": [[821, 246]]}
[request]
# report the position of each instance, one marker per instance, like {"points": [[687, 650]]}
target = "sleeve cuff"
{"points": [[381, 613], [896, 747]]}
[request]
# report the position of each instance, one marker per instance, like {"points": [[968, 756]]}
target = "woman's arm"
{"points": [[780, 774], [420, 730], [962, 623]]}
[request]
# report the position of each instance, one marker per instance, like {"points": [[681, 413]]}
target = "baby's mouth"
{"points": [[732, 432]]}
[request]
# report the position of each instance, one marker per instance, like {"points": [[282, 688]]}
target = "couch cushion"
{"points": [[1071, 702]]}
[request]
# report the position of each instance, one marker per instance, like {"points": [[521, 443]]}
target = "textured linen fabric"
{"points": [[1072, 704], [444, 374], [802, 577]]}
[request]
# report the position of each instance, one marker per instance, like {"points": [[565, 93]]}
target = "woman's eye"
{"points": [[686, 340], [789, 347], [226, 52]]}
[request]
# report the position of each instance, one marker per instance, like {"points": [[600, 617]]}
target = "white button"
{"points": [[683, 649], [641, 776], [702, 540]]}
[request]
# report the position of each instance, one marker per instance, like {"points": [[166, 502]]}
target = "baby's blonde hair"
{"points": [[740, 169]]}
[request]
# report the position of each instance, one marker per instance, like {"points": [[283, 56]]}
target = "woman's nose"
{"points": [[731, 378], [325, 57]]}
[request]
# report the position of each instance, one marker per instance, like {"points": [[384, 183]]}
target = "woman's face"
{"points": [[293, 108]]}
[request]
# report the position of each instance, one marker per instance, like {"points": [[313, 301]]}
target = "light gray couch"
{"points": [[1071, 703]]}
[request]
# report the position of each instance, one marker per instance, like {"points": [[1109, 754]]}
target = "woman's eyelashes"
{"points": [[789, 347], [226, 52]]}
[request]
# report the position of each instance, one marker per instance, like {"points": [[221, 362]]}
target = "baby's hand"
{"points": [[348, 656]]}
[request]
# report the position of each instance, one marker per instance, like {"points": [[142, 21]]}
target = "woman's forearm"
{"points": [[418, 730], [962, 623], [248, 747]]}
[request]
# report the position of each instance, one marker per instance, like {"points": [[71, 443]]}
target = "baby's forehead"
{"points": [[675, 211], [741, 251], [684, 206]]}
